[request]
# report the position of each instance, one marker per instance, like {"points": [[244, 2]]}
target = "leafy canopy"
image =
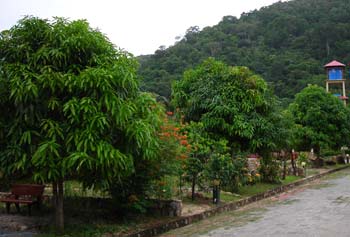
{"points": [[321, 120], [231, 102], [70, 104]]}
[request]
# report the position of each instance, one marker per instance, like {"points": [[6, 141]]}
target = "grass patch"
{"points": [[230, 197], [290, 179], [251, 190]]}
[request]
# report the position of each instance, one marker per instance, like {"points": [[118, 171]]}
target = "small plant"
{"points": [[303, 160], [253, 177], [270, 170], [230, 171]]}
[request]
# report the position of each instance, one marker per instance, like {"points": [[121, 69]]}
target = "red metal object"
{"points": [[254, 156], [334, 63], [295, 155]]}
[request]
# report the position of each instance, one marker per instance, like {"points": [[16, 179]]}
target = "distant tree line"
{"points": [[286, 43]]}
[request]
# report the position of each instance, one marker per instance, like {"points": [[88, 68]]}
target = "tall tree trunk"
{"points": [[317, 151], [54, 194], [293, 161], [180, 185], [216, 194], [193, 187], [284, 167], [58, 202]]}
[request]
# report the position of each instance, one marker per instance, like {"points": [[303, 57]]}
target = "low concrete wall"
{"points": [[183, 221], [170, 208]]}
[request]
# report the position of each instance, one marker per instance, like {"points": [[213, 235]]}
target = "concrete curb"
{"points": [[183, 221]]}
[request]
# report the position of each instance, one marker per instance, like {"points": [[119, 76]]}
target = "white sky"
{"points": [[138, 26]]}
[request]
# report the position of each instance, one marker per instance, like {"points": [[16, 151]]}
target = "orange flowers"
{"points": [[166, 134], [184, 142], [172, 131]]}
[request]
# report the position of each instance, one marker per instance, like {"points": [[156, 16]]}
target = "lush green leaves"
{"points": [[70, 104], [231, 102], [321, 120]]}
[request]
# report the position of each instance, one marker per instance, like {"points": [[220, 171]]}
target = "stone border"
{"points": [[183, 221]]}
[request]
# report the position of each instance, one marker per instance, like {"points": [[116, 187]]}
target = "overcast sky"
{"points": [[138, 26]]}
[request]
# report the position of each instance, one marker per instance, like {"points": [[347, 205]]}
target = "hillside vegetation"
{"points": [[286, 43]]}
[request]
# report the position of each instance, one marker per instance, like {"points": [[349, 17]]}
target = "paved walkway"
{"points": [[322, 210], [16, 234], [19, 225]]}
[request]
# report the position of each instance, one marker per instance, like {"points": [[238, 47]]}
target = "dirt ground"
{"points": [[21, 226]]}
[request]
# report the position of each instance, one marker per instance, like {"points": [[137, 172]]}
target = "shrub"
{"points": [[269, 170]]}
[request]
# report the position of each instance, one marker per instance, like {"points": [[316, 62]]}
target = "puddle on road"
{"points": [[287, 202], [321, 185], [342, 200], [240, 219]]}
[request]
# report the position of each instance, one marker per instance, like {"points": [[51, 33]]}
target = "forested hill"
{"points": [[287, 43]]}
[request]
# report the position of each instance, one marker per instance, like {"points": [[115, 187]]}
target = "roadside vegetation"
{"points": [[73, 117]]}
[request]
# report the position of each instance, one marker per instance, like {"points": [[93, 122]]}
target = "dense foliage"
{"points": [[286, 43], [232, 111], [150, 176], [231, 102], [71, 106], [321, 120]]}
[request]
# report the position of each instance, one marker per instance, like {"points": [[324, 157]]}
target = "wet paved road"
{"points": [[322, 210]]}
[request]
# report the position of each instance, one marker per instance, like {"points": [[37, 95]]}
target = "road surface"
{"points": [[320, 209]]}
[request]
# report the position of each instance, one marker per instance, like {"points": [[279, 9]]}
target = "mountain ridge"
{"points": [[287, 43]]}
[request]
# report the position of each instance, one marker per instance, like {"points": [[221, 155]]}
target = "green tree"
{"points": [[224, 171], [232, 103], [71, 107], [199, 154], [321, 120]]}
